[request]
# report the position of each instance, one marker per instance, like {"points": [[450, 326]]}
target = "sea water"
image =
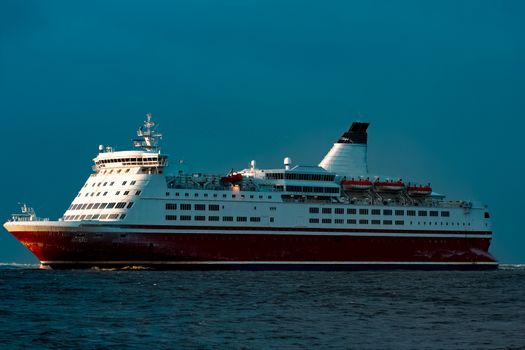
{"points": [[142, 309]]}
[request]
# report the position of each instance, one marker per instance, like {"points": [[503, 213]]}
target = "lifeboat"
{"points": [[356, 185], [389, 186], [232, 178], [420, 190]]}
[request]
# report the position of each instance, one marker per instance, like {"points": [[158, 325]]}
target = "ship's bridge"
{"points": [[111, 160]]}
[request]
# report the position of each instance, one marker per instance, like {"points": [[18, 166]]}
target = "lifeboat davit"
{"points": [[420, 190], [232, 178], [389, 186], [356, 185]]}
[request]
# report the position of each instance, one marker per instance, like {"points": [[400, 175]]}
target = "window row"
{"points": [[353, 221], [95, 217], [99, 206], [213, 218], [312, 189], [215, 195], [299, 176], [186, 206], [386, 212], [92, 194]]}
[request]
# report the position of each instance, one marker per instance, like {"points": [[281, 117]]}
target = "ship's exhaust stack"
{"points": [[348, 156]]}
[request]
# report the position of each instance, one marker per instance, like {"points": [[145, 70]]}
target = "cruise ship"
{"points": [[137, 209]]}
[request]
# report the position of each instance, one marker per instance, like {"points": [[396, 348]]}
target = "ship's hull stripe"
{"points": [[283, 229], [321, 234], [131, 262]]}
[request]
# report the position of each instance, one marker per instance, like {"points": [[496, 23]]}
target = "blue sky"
{"points": [[442, 84]]}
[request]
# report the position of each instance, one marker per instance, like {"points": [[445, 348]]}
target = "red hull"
{"points": [[86, 249]]}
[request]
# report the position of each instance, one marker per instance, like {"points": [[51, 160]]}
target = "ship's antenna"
{"points": [[148, 137]]}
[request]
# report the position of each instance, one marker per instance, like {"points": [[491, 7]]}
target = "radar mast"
{"points": [[148, 137]]}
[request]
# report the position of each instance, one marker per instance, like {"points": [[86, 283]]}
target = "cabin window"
{"points": [[138, 193], [185, 206], [130, 204], [376, 212], [255, 219], [213, 207], [376, 222], [213, 218], [227, 218], [122, 216], [411, 212], [200, 207], [117, 193], [185, 217], [351, 221], [400, 222], [200, 218], [422, 213], [327, 210], [387, 222], [171, 206], [313, 210], [241, 218], [387, 212], [313, 221], [363, 222], [363, 212], [339, 221], [120, 205], [351, 211], [433, 213], [327, 221], [339, 210], [90, 206], [126, 193], [445, 214], [400, 212], [133, 182]]}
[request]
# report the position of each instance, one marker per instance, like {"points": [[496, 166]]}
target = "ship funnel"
{"points": [[348, 156]]}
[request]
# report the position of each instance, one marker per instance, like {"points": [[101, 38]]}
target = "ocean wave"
{"points": [[13, 265], [512, 266]]}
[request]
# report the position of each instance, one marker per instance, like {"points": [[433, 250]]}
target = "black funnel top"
{"points": [[356, 134]]}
